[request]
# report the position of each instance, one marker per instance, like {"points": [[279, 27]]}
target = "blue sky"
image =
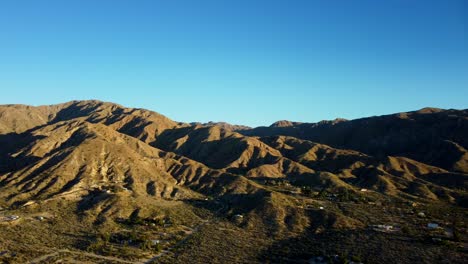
{"points": [[243, 61]]}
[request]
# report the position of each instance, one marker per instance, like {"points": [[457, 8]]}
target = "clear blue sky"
{"points": [[241, 61]]}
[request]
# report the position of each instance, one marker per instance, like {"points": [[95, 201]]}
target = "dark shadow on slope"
{"points": [[136, 127], [450, 180], [75, 110], [216, 207], [12, 143], [91, 199], [59, 154], [360, 244], [216, 154]]}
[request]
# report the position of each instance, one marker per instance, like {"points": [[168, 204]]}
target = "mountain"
{"points": [[140, 123], [223, 125], [430, 135], [112, 180], [284, 123]]}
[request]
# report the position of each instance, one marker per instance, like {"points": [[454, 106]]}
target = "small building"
{"points": [[386, 227], [13, 217], [383, 227], [432, 225]]}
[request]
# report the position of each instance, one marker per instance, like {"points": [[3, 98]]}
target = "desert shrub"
{"points": [[322, 194], [157, 248], [97, 246], [456, 235], [356, 258], [105, 237], [306, 191], [146, 245], [407, 230], [344, 196]]}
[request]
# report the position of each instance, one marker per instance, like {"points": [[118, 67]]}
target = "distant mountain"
{"points": [[285, 123], [223, 125], [430, 135]]}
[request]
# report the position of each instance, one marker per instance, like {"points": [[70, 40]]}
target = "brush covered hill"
{"points": [[107, 163]]}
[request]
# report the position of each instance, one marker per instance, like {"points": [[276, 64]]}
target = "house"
{"points": [[383, 227], [9, 218], [13, 217], [432, 225], [386, 227]]}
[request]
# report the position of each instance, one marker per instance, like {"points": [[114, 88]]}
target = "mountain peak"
{"points": [[429, 110], [284, 123]]}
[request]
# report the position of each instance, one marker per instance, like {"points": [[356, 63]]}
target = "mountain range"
{"points": [[108, 162]]}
